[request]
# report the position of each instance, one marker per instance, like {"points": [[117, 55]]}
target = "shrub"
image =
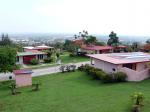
{"points": [[62, 69], [73, 67], [137, 99], [107, 78], [48, 60], [57, 55], [34, 61], [99, 74], [68, 68], [81, 68], [17, 67], [72, 55], [87, 68], [120, 77]]}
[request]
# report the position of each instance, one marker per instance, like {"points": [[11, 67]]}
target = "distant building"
{"points": [[92, 49], [134, 64], [38, 48], [145, 48], [78, 42]]}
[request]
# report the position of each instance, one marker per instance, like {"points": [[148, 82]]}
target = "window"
{"points": [[17, 59], [40, 56], [114, 69]]}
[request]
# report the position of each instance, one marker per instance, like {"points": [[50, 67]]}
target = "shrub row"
{"points": [[101, 75]]}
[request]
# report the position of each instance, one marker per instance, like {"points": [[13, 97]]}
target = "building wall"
{"points": [[23, 80], [27, 59], [141, 72], [133, 75], [20, 60], [105, 66], [141, 66]]}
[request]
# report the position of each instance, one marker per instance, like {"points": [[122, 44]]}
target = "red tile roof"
{"points": [[97, 47]]}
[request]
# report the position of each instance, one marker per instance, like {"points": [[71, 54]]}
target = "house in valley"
{"points": [[38, 48], [93, 49], [134, 64]]}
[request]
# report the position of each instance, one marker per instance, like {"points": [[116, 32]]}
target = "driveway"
{"points": [[40, 71]]}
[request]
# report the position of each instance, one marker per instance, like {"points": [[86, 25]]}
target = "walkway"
{"points": [[40, 71]]}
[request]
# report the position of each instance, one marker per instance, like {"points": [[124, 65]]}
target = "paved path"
{"points": [[40, 71]]}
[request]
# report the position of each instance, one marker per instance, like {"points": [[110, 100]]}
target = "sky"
{"points": [[125, 17]]}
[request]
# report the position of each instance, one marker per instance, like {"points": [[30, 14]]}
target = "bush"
{"points": [[57, 55], [73, 67], [81, 68], [120, 77], [107, 78], [68, 68], [72, 55], [137, 99], [99, 74], [34, 61], [17, 67], [62, 69], [48, 60]]}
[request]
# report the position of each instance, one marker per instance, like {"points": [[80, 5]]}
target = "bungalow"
{"points": [[26, 57], [134, 64], [92, 49]]}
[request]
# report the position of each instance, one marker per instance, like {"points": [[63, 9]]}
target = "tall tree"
{"points": [[69, 46], [135, 46], [90, 40], [5, 41], [113, 39], [7, 59], [148, 41]]}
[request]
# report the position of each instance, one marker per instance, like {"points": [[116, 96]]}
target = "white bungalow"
{"points": [[134, 64]]}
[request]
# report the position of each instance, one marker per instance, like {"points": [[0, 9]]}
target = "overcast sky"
{"points": [[125, 17]]}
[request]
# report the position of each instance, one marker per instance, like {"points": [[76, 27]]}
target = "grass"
{"points": [[65, 58], [73, 92]]}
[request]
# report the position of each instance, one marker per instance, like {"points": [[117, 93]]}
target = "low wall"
{"points": [[133, 75]]}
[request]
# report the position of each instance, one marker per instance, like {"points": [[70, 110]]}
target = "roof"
{"points": [[38, 47], [43, 46], [97, 47], [121, 46], [123, 58], [28, 47], [29, 53], [22, 71], [146, 47]]}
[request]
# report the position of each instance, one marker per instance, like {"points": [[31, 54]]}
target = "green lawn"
{"points": [[64, 58], [67, 59], [73, 92]]}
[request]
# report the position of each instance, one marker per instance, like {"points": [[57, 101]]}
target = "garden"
{"points": [[74, 92]]}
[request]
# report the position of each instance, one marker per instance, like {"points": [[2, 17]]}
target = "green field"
{"points": [[64, 59], [73, 92]]}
